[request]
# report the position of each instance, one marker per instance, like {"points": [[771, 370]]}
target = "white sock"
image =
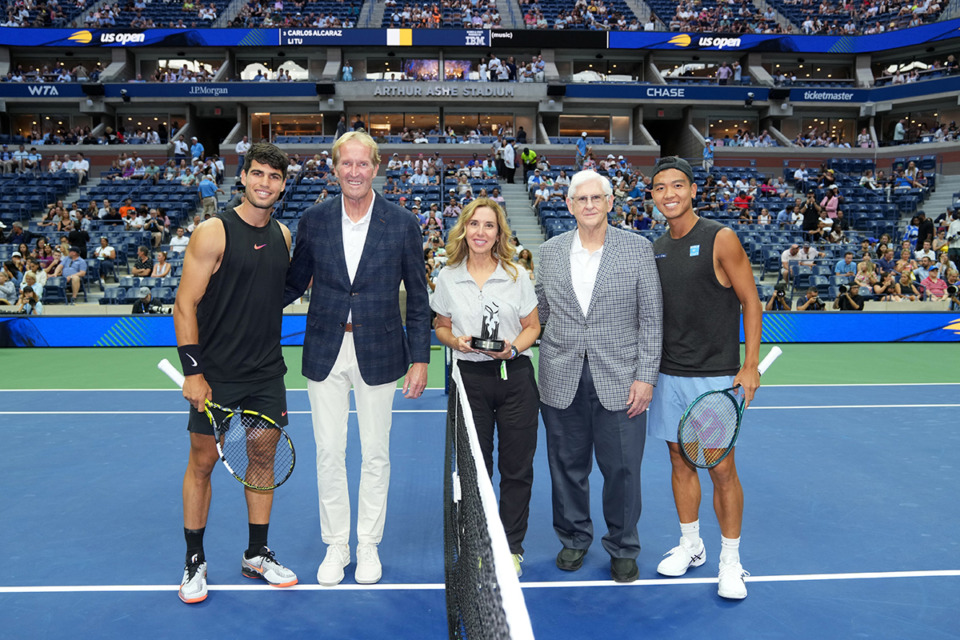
{"points": [[729, 550], [691, 532]]}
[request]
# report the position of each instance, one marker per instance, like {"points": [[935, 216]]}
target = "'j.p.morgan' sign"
{"points": [[444, 90]]}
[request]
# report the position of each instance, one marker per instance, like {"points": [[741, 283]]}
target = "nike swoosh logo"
{"points": [[283, 414], [194, 362], [257, 247]]}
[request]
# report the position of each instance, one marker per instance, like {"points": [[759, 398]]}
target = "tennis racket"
{"points": [[253, 448], [710, 425]]}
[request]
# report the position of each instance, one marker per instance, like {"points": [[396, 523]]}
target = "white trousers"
{"points": [[330, 404]]}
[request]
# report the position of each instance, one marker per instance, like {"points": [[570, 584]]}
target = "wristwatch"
{"points": [[513, 352]]}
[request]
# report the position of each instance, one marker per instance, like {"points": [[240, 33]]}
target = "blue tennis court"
{"points": [[848, 531]]}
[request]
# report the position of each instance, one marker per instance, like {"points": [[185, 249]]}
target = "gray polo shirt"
{"points": [[458, 297]]}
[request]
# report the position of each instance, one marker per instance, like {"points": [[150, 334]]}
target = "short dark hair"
{"points": [[268, 154]]}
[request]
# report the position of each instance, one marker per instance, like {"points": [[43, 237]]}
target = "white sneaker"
{"points": [[681, 558], [330, 572], [193, 586], [368, 564], [731, 584], [264, 566]]}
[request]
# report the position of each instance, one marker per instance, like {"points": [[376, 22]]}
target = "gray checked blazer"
{"points": [[622, 332]]}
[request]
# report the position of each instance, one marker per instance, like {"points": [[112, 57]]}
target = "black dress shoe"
{"points": [[570, 559], [624, 569]]}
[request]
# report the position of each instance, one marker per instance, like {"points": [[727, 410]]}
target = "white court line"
{"points": [[778, 408], [656, 582], [178, 390], [856, 406], [173, 413], [766, 386]]}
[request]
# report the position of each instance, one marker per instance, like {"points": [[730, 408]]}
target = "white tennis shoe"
{"points": [[330, 573], [369, 570], [681, 558], [193, 587], [731, 584], [264, 566]]}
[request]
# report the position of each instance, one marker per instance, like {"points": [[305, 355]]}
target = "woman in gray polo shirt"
{"points": [[481, 286]]}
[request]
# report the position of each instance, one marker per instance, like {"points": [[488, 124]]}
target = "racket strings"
{"points": [[256, 450], [708, 428]]}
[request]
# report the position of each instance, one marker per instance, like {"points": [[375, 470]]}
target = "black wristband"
{"points": [[190, 359]]}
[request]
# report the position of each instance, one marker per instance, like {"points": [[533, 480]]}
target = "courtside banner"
{"points": [[41, 90], [73, 38], [111, 331], [928, 33], [157, 330]]}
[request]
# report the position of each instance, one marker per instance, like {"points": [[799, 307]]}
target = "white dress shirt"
{"points": [[354, 237], [583, 271]]}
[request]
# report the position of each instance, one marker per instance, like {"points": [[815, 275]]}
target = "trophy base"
{"points": [[487, 344]]}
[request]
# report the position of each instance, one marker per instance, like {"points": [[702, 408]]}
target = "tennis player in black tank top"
{"points": [[701, 345], [227, 318]]}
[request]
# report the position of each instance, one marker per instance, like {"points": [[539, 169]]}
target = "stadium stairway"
{"points": [[940, 199], [522, 218]]}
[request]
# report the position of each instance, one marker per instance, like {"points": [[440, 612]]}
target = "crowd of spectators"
{"points": [[814, 137], [294, 14], [848, 18], [745, 138], [52, 73], [733, 18], [479, 14], [909, 73], [906, 132], [585, 14], [204, 73], [41, 13]]}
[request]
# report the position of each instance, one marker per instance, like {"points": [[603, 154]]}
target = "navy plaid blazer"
{"points": [[622, 331], [392, 253]]}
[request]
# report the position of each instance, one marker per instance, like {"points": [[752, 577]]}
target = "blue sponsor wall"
{"points": [[928, 34], [157, 331]]}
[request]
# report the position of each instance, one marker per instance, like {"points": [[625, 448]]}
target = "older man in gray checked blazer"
{"points": [[600, 303]]}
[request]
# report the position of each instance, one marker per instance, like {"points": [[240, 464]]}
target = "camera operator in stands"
{"points": [[779, 300], [812, 301], [954, 297], [145, 303], [849, 299]]}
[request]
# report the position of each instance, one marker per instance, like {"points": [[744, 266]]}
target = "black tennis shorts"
{"points": [[268, 397]]}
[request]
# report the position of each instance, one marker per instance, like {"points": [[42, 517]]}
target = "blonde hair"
{"points": [[503, 249], [356, 136]]}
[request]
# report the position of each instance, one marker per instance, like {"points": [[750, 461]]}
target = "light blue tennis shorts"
{"points": [[672, 396]]}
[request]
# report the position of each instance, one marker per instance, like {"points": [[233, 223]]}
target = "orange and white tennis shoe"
{"points": [[193, 587], [265, 567]]}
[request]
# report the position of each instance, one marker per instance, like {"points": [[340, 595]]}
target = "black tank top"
{"points": [[240, 314], [701, 317]]}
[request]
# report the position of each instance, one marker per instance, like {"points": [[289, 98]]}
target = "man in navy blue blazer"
{"points": [[358, 249]]}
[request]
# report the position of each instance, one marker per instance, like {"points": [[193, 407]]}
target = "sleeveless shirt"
{"points": [[701, 317], [240, 314]]}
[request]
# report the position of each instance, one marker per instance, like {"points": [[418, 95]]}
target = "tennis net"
{"points": [[484, 600]]}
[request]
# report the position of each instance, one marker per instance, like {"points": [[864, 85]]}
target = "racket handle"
{"points": [[171, 371], [765, 364]]}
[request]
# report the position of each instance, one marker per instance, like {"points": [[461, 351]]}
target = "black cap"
{"points": [[674, 162], [73, 248]]}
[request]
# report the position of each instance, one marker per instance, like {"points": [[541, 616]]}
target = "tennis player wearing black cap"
{"points": [[706, 278]]}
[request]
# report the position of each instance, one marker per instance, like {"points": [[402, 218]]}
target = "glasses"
{"points": [[594, 200]]}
